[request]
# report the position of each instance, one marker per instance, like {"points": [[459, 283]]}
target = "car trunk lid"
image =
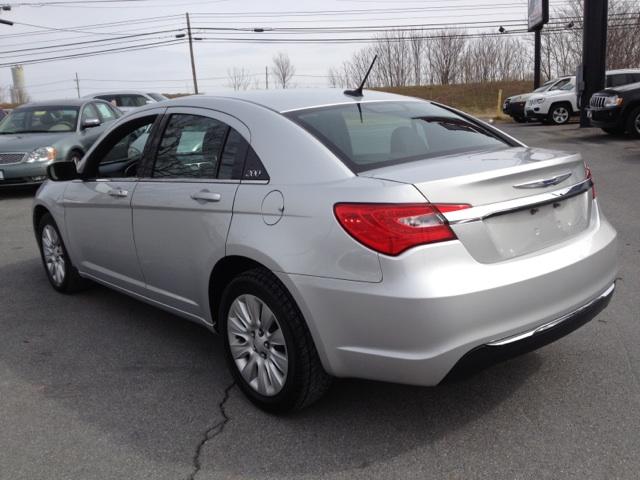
{"points": [[521, 197]]}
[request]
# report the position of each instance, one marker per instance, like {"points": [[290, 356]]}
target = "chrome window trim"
{"points": [[552, 323], [187, 180], [482, 212], [347, 102]]}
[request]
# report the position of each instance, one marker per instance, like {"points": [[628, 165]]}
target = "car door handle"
{"points": [[206, 196], [118, 192]]}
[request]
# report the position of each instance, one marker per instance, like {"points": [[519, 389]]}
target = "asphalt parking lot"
{"points": [[100, 386]]}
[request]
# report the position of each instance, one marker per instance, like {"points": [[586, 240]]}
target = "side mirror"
{"points": [[148, 102], [62, 171], [91, 123]]}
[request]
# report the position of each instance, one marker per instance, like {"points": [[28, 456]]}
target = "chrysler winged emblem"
{"points": [[544, 182]]}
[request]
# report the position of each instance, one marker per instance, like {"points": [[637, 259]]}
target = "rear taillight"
{"points": [[391, 228], [590, 177]]}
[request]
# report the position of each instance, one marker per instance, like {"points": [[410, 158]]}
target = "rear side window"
{"points": [[131, 100], [376, 134]]}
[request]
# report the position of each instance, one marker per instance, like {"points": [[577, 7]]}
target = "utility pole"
{"points": [[77, 84], [193, 63], [594, 53], [266, 77], [536, 58]]}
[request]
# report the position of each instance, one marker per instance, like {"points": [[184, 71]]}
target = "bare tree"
{"points": [[416, 43], [283, 70], [238, 78], [3, 94], [337, 78], [443, 51]]}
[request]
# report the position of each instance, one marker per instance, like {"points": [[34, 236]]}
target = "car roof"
{"points": [[284, 100], [119, 92], [624, 70], [65, 102]]}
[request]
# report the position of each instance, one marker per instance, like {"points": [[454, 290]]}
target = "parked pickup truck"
{"points": [[617, 110]]}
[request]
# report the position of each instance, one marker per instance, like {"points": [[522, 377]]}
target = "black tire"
{"points": [[306, 381], [520, 119], [613, 131], [633, 123], [71, 281], [559, 113]]}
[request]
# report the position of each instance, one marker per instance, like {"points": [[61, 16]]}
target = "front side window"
{"points": [[617, 80], [190, 147], [89, 112], [107, 114], [40, 119], [560, 84], [376, 134], [119, 155]]}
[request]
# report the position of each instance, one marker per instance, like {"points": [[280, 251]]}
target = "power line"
{"points": [[99, 52], [89, 42]]}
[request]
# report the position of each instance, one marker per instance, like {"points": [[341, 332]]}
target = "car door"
{"points": [[98, 207], [182, 208]]}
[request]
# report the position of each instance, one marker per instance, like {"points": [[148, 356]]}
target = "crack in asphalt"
{"points": [[211, 432]]}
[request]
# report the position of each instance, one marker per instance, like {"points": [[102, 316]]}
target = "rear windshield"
{"points": [[377, 134]]}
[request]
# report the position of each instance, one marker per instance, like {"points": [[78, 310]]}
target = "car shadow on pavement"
{"points": [[152, 382], [17, 192], [360, 424]]}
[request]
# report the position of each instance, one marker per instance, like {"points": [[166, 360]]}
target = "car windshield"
{"points": [[376, 134], [40, 119]]}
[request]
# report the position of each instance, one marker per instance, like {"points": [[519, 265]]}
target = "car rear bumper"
{"points": [[436, 304], [605, 118], [504, 349]]}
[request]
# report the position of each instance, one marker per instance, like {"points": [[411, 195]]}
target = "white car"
{"points": [[553, 106], [514, 106], [127, 100], [558, 104]]}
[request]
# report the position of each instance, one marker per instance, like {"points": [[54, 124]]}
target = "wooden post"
{"points": [[499, 106]]}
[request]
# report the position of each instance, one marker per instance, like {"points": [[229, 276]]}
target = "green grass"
{"points": [[476, 98]]}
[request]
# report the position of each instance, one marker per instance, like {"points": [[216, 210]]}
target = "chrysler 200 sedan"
{"points": [[36, 134], [325, 235]]}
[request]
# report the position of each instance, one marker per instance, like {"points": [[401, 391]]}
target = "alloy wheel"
{"points": [[560, 115], [257, 345], [53, 254], [637, 124]]}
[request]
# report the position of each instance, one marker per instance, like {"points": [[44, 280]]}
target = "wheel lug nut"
{"points": [[263, 355], [266, 344]]}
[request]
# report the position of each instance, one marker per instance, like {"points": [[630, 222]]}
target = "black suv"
{"points": [[617, 109]]}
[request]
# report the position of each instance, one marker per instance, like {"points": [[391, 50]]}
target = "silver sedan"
{"points": [[325, 235]]}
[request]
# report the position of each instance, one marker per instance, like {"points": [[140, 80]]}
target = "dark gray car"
{"points": [[36, 134]]}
